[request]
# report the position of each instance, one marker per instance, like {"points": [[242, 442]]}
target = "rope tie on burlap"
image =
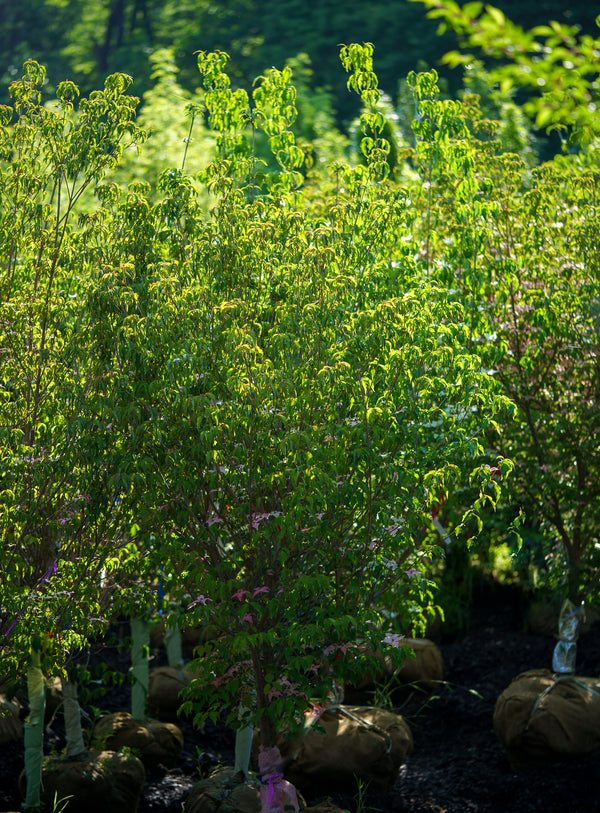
{"points": [[556, 679], [318, 711]]}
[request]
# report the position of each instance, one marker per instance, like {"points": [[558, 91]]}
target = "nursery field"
{"points": [[310, 396], [457, 766]]}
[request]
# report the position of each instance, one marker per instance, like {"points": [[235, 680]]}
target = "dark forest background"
{"points": [[85, 41]]}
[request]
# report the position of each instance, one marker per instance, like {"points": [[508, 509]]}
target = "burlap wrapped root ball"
{"points": [[324, 807], [224, 791], [155, 742], [425, 670], [165, 687], [360, 743], [542, 718], [418, 677], [100, 782]]}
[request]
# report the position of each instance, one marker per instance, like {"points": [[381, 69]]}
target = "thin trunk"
{"points": [[243, 745], [140, 659], [34, 731], [115, 26], [72, 715], [173, 645], [267, 729]]}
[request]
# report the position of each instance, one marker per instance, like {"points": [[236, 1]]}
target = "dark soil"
{"points": [[457, 766]]}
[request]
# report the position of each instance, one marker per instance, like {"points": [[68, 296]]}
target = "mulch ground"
{"points": [[457, 765]]}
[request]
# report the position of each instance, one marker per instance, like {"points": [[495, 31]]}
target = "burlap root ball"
{"points": [[103, 781], [360, 743], [165, 685], [324, 807], [419, 675], [155, 742], [542, 718], [425, 670], [224, 792]]}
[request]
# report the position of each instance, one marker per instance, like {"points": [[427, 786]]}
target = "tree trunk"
{"points": [[34, 731], [140, 659], [173, 644], [72, 715], [243, 745], [267, 729], [115, 26]]}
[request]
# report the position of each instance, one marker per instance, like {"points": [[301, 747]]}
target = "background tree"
{"points": [[87, 41], [554, 65], [545, 319], [509, 242]]}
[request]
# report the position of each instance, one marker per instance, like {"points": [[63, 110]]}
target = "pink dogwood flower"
{"points": [[240, 594], [392, 638], [213, 520], [199, 600]]}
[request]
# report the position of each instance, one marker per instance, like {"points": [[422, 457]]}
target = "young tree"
{"points": [[543, 310], [518, 245], [55, 507], [311, 399]]}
